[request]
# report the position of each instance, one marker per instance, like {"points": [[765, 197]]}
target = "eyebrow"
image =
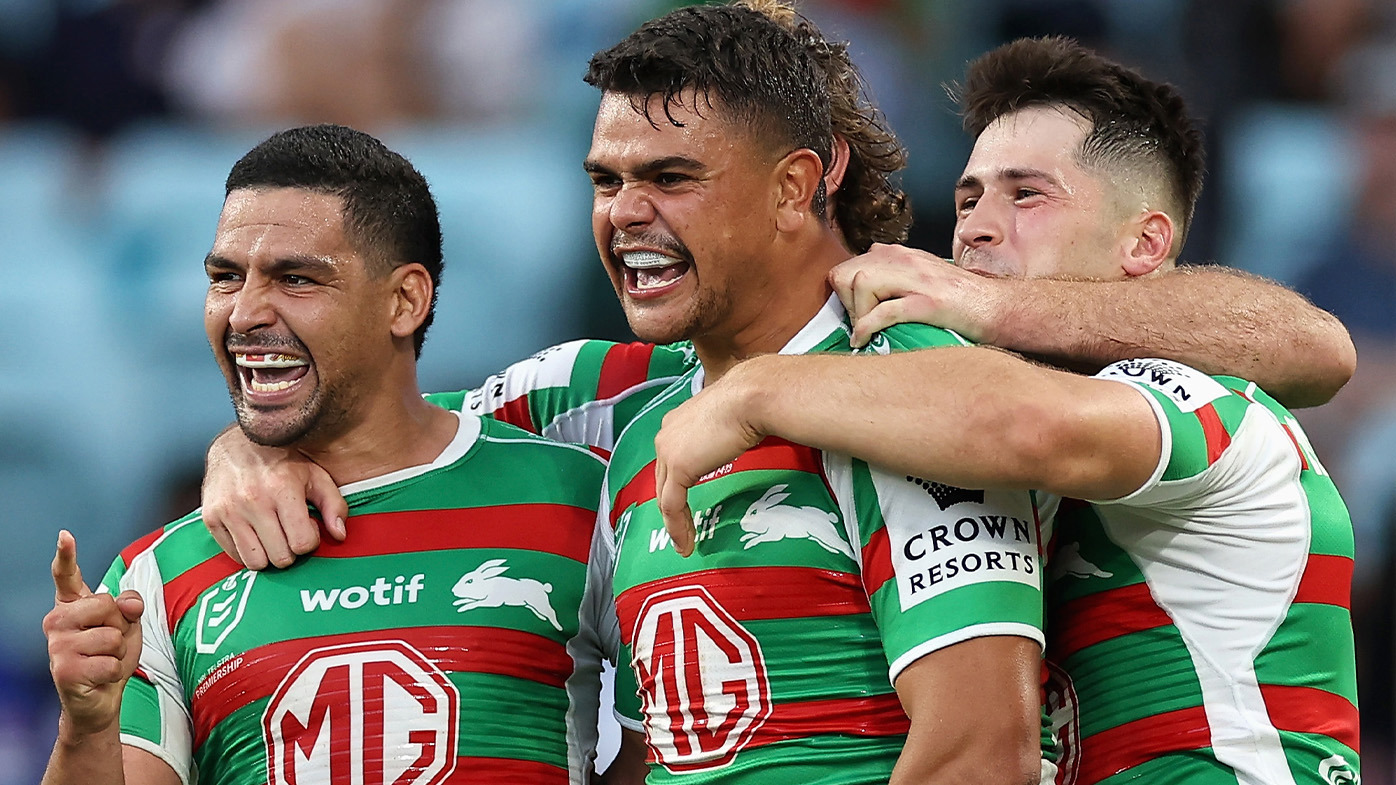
{"points": [[649, 168], [277, 266], [1011, 173]]}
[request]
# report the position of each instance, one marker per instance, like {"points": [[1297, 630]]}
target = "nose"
{"points": [[632, 207], [983, 226], [252, 308]]}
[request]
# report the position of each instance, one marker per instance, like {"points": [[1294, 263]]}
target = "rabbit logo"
{"points": [[767, 520], [486, 587]]}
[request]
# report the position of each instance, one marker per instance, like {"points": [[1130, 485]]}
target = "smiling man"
{"points": [[449, 638]]}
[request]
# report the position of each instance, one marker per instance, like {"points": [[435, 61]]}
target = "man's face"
{"points": [[294, 317], [681, 216], [1025, 206]]}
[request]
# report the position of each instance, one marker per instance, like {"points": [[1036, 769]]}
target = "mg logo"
{"points": [[702, 680], [374, 713]]}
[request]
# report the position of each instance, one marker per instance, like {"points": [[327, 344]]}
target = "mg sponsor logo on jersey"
{"points": [[487, 587], [377, 713], [767, 520], [702, 680], [220, 610]]}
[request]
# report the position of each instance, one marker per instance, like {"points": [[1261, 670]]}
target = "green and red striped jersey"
{"points": [[454, 636], [769, 655], [583, 392], [1200, 630]]}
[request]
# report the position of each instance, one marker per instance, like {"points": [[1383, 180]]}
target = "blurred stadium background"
{"points": [[120, 118]]}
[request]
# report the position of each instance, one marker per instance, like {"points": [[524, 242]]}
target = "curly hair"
{"points": [[1135, 122], [773, 70]]}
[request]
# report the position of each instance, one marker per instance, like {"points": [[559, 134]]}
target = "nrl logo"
{"points": [[220, 610]]}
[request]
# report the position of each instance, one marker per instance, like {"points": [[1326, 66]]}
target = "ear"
{"points": [[799, 174], [1150, 243], [411, 289], [838, 167]]}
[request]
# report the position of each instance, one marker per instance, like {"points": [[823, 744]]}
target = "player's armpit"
{"points": [[975, 714]]}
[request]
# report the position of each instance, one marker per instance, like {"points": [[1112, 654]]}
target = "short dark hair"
{"points": [[389, 213], [772, 70], [1134, 121]]}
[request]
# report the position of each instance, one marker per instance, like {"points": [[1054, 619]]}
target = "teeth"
{"points": [[646, 260], [268, 360], [263, 387]]}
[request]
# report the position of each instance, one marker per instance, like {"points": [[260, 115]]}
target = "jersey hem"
{"points": [[628, 723], [960, 636], [140, 743]]}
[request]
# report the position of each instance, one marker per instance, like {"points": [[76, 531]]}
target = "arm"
{"points": [[629, 767], [1217, 320], [973, 417], [973, 717], [94, 644]]}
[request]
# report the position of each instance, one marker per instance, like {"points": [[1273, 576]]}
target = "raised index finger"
{"points": [[67, 577]]}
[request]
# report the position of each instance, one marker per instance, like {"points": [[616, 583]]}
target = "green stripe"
{"points": [[816, 760], [1082, 526], [1111, 692], [451, 401], [505, 717], [1307, 751], [235, 750], [1188, 455], [1312, 648], [1331, 524], [800, 654], [990, 602], [140, 710]]}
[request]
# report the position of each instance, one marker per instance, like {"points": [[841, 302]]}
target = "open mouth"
{"points": [[267, 374], [649, 273]]}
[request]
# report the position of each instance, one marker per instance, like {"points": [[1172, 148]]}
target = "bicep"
{"points": [[974, 708]]}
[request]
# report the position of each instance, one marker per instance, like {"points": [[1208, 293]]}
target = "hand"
{"points": [[705, 432], [94, 643], [893, 284], [254, 501]]}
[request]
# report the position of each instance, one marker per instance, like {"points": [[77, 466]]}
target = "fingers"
{"points": [[672, 499], [878, 318], [324, 494], [67, 576], [247, 547], [131, 605]]}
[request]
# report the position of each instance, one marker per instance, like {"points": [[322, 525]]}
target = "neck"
{"points": [[392, 428], [777, 311]]}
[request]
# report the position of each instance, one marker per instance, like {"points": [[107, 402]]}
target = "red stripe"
{"points": [[877, 561], [494, 650], [184, 589], [1311, 710], [1293, 709], [751, 593], [1086, 621], [772, 453], [877, 715], [130, 552], [604, 453], [558, 529], [624, 366], [504, 771], [1327, 580], [1112, 751], [1303, 459], [1214, 432], [516, 413]]}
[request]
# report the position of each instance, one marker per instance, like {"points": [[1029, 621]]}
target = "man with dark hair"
{"points": [[447, 637], [1200, 629]]}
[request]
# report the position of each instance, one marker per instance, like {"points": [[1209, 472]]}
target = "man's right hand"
{"points": [[254, 501], [94, 643]]}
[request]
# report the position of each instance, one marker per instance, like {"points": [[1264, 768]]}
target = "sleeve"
{"points": [[154, 714], [627, 708], [940, 564], [583, 392]]}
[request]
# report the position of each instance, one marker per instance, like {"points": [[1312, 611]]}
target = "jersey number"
{"points": [[328, 723]]}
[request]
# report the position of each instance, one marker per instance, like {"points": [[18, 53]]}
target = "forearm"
{"points": [[1216, 320], [973, 417], [85, 758]]}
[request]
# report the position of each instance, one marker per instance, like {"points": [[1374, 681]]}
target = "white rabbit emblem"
{"points": [[766, 520], [485, 587]]}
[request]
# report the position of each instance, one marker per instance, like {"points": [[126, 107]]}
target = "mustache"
{"points": [[664, 242], [234, 341]]}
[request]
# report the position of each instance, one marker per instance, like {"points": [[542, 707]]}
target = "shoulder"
{"points": [[906, 337], [502, 438]]}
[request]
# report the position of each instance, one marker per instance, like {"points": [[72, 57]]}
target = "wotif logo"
{"points": [[381, 592]]}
